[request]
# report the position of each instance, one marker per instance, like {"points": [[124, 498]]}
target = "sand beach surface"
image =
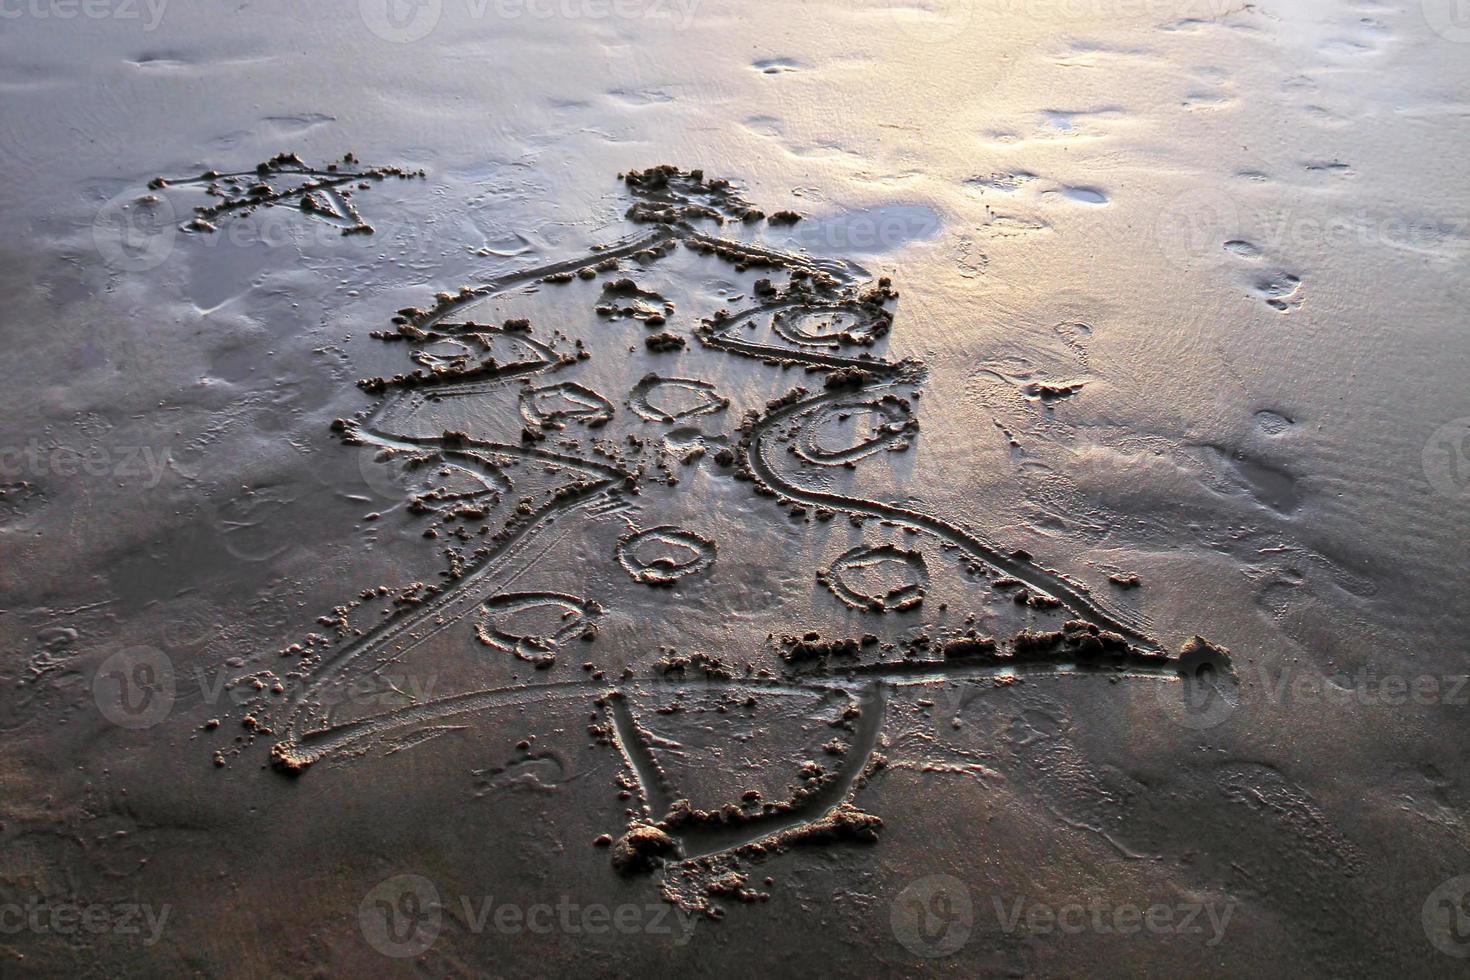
{"points": [[586, 487]]}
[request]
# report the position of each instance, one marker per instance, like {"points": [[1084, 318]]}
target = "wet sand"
{"points": [[568, 489]]}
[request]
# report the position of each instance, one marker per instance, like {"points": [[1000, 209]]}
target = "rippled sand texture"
{"points": [[414, 503]]}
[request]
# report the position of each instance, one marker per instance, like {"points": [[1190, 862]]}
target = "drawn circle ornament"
{"points": [[830, 326], [508, 622], [852, 429], [556, 404], [857, 578], [657, 399], [663, 555]]}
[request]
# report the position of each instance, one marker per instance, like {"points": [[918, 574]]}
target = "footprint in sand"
{"points": [[1282, 291], [1331, 168], [1279, 289], [777, 66], [1082, 195], [1238, 472], [1273, 423], [1210, 89], [1001, 183], [1020, 182]]}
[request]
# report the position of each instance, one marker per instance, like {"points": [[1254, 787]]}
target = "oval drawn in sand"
{"points": [[881, 578], [663, 555], [553, 405], [657, 399], [830, 326], [849, 430], [533, 625]]}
